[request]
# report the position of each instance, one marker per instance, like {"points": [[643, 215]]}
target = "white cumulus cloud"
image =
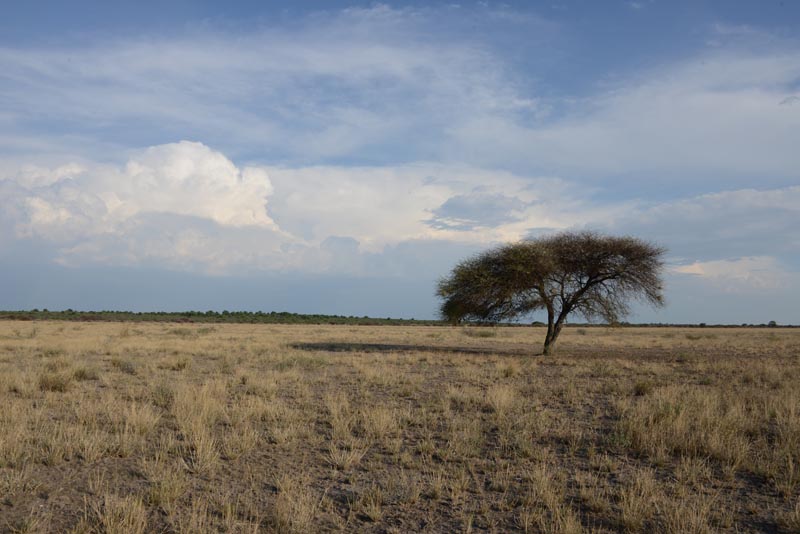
{"points": [[73, 201], [191, 179]]}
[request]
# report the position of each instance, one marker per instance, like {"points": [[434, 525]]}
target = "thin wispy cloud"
{"points": [[742, 275], [332, 87]]}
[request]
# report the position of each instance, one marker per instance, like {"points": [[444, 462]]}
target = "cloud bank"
{"points": [[187, 206]]}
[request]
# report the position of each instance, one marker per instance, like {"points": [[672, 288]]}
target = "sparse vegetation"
{"points": [[244, 428]]}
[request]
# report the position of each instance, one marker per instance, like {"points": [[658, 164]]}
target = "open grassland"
{"points": [[128, 428]]}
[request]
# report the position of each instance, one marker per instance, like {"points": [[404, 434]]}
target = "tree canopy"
{"points": [[586, 273]]}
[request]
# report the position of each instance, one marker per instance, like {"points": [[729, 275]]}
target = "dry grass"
{"points": [[121, 515], [237, 428]]}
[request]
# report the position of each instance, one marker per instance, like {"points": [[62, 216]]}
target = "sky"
{"points": [[341, 157]]}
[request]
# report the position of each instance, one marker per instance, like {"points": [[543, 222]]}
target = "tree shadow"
{"points": [[589, 353], [332, 346]]}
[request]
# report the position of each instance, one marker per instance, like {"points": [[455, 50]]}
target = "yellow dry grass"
{"points": [[109, 427]]}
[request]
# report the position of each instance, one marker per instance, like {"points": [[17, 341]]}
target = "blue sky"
{"points": [[329, 157]]}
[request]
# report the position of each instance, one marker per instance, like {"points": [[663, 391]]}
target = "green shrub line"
{"points": [[257, 317]]}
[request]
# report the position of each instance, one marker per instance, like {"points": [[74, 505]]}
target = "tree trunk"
{"points": [[553, 329], [549, 338], [548, 345]]}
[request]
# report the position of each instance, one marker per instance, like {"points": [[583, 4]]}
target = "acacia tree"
{"points": [[585, 273]]}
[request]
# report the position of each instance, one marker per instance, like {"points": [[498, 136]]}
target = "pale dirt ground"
{"points": [[128, 427]]}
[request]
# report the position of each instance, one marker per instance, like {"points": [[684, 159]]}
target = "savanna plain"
{"points": [[191, 428]]}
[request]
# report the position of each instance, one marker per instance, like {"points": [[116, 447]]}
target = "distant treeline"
{"points": [[260, 317], [206, 317]]}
